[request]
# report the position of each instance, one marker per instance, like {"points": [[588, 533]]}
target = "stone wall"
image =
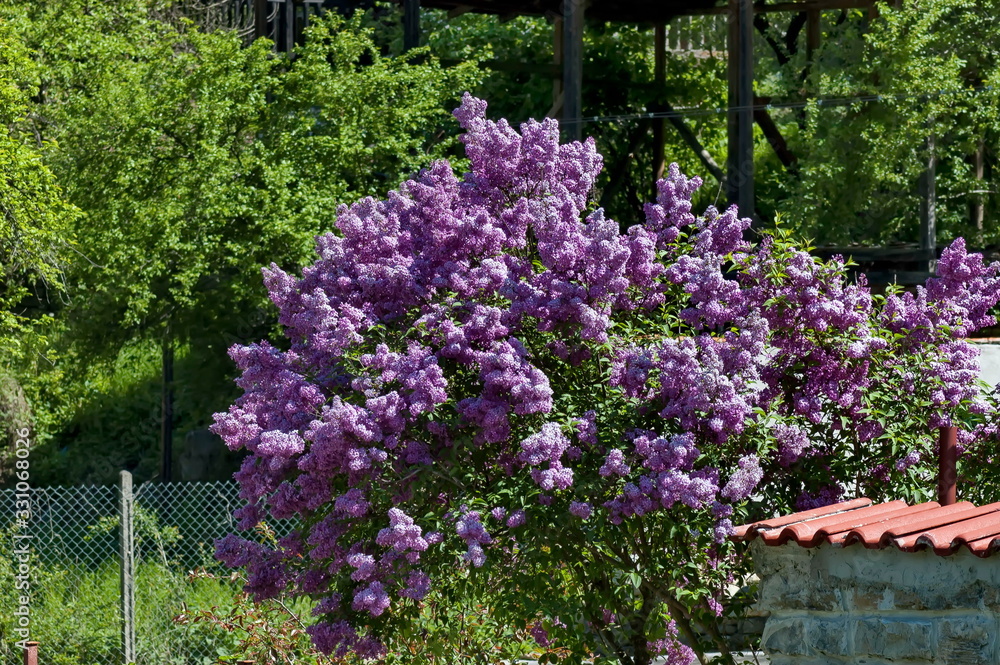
{"points": [[832, 605]]}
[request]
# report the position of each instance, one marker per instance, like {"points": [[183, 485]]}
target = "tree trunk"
{"points": [[167, 409]]}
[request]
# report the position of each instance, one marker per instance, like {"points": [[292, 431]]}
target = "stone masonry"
{"points": [[833, 605]]}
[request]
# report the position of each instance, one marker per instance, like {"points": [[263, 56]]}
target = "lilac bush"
{"points": [[487, 380]]}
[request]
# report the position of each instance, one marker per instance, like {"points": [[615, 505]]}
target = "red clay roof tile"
{"points": [[873, 536], [838, 537], [742, 531], [810, 532], [909, 528]]}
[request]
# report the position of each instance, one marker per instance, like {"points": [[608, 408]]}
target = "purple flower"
{"points": [[372, 599], [670, 647], [516, 519], [475, 555], [418, 585], [402, 534], [743, 481], [908, 460], [447, 338], [364, 565], [540, 635], [615, 464], [827, 495]]}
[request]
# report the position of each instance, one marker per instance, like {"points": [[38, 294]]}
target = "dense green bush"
{"points": [[194, 159]]}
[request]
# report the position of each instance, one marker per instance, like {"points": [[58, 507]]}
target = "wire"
{"points": [[825, 102]]}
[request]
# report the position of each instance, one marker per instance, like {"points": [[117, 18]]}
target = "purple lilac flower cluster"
{"points": [[671, 648], [438, 330]]}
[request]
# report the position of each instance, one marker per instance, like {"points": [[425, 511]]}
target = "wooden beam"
{"points": [[458, 11], [813, 32], [289, 27], [732, 99], [928, 205], [691, 139], [739, 162], [773, 135], [411, 24], [659, 79], [781, 7], [638, 13], [573, 68], [261, 9], [746, 200], [813, 6], [557, 59]]}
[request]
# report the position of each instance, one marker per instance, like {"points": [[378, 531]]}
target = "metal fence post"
{"points": [[126, 546]]}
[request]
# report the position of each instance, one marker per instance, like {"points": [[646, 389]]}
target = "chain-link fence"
{"points": [[77, 585]]}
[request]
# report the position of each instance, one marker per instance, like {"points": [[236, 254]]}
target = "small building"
{"points": [[878, 584]]}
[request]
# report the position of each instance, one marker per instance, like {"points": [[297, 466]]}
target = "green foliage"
{"points": [[74, 608], [619, 80], [195, 160], [456, 624], [930, 68], [34, 219], [906, 56]]}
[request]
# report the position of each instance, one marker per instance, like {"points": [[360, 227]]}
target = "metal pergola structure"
{"points": [[567, 17], [283, 22], [908, 266]]}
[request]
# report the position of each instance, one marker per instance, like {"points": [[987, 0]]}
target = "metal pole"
{"points": [[126, 546], [947, 470]]}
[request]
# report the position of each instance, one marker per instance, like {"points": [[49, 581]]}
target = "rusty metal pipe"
{"points": [[947, 471]]}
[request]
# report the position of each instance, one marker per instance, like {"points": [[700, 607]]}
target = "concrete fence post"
{"points": [[127, 550]]}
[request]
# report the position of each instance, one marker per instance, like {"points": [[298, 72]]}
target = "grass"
{"points": [[75, 615]]}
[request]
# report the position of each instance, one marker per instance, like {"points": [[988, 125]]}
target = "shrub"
{"points": [[487, 380]]}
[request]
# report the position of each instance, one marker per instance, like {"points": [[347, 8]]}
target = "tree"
{"points": [[916, 73], [486, 375], [195, 159], [35, 237], [34, 232]]}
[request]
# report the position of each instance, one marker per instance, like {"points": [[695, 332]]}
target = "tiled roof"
{"points": [[945, 529]]}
